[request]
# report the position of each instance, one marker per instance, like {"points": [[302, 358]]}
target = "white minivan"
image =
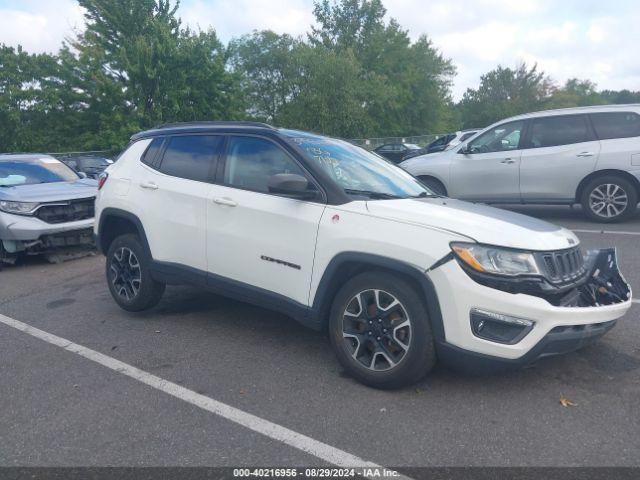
{"points": [[586, 155]]}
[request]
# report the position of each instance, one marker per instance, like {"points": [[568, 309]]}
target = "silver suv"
{"points": [[586, 155]]}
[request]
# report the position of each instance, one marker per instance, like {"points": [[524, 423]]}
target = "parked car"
{"points": [[44, 206], [340, 239], [587, 155], [444, 142], [92, 167], [395, 152]]}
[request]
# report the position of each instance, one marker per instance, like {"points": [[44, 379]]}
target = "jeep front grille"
{"points": [[68, 211], [563, 266]]}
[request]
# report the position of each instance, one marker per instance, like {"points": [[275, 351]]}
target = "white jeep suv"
{"points": [[587, 155], [341, 239]]}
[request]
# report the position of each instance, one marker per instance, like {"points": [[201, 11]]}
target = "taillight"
{"points": [[102, 179]]}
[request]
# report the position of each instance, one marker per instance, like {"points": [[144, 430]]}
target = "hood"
{"points": [[417, 160], [50, 192], [481, 223]]}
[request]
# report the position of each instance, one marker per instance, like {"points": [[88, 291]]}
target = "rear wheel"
{"points": [[434, 185], [380, 331], [129, 275], [609, 199]]}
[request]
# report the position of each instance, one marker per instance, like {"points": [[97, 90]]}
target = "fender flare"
{"points": [[327, 285], [111, 212]]}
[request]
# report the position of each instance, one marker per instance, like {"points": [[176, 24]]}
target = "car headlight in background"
{"points": [[496, 260], [20, 208]]}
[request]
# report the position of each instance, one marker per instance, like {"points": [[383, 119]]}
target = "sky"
{"points": [[587, 39]]}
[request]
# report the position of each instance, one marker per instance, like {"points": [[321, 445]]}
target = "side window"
{"points": [[252, 161], [191, 156], [560, 130], [616, 124], [150, 154], [502, 138], [467, 135]]}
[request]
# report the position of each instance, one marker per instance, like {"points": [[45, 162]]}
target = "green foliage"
{"points": [[504, 92], [132, 68], [355, 74]]}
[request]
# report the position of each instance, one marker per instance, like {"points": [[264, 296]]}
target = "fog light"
{"points": [[499, 328]]}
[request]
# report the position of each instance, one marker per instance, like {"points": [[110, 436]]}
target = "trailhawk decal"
{"points": [[280, 262]]}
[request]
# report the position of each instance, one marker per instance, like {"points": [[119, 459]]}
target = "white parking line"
{"points": [[635, 301], [272, 430], [604, 231]]}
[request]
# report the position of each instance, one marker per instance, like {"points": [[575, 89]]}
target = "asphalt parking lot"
{"points": [[60, 408]]}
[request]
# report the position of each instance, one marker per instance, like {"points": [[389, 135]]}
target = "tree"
{"points": [[355, 67], [504, 92], [575, 93], [267, 66]]}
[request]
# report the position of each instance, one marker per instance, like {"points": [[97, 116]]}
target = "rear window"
{"points": [[150, 154], [33, 171], [616, 124], [561, 130], [191, 156]]}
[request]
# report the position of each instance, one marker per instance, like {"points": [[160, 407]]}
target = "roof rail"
{"points": [[213, 123]]}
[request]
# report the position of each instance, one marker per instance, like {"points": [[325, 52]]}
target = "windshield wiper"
{"points": [[372, 194], [427, 195]]}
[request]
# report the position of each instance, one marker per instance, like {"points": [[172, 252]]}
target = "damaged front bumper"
{"points": [[24, 235], [486, 325]]}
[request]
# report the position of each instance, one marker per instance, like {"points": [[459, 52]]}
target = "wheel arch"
{"points": [[433, 177], [348, 264], [600, 173], [115, 222]]}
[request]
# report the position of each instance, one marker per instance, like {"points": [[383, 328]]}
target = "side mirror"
{"points": [[82, 175], [291, 185], [465, 150]]}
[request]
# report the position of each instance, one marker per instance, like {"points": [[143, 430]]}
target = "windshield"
{"points": [[358, 171], [32, 171]]}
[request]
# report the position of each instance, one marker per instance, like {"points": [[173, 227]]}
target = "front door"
{"points": [[488, 170], [256, 237]]}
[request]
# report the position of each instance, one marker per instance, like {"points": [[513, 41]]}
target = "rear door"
{"points": [[559, 152], [619, 135], [255, 237], [175, 190], [488, 170]]}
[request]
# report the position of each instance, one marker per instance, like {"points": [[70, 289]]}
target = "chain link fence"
{"points": [[110, 154]]}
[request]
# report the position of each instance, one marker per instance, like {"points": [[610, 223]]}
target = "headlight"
{"points": [[21, 208], [496, 260]]}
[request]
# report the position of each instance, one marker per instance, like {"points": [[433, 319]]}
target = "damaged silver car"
{"points": [[45, 208]]}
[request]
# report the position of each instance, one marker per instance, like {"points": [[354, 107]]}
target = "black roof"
{"points": [[204, 126]]}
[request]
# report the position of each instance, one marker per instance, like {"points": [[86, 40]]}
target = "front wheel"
{"points": [[609, 199], [434, 185], [380, 331], [129, 277]]}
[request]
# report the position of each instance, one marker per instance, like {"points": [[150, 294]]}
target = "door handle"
{"points": [[149, 185], [585, 154], [225, 201], [508, 161]]}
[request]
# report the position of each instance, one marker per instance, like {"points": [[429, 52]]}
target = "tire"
{"points": [[434, 185], [613, 190], [366, 348], [128, 271]]}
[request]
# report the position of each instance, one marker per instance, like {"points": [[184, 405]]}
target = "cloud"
{"points": [[588, 39], [231, 18], [39, 26]]}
